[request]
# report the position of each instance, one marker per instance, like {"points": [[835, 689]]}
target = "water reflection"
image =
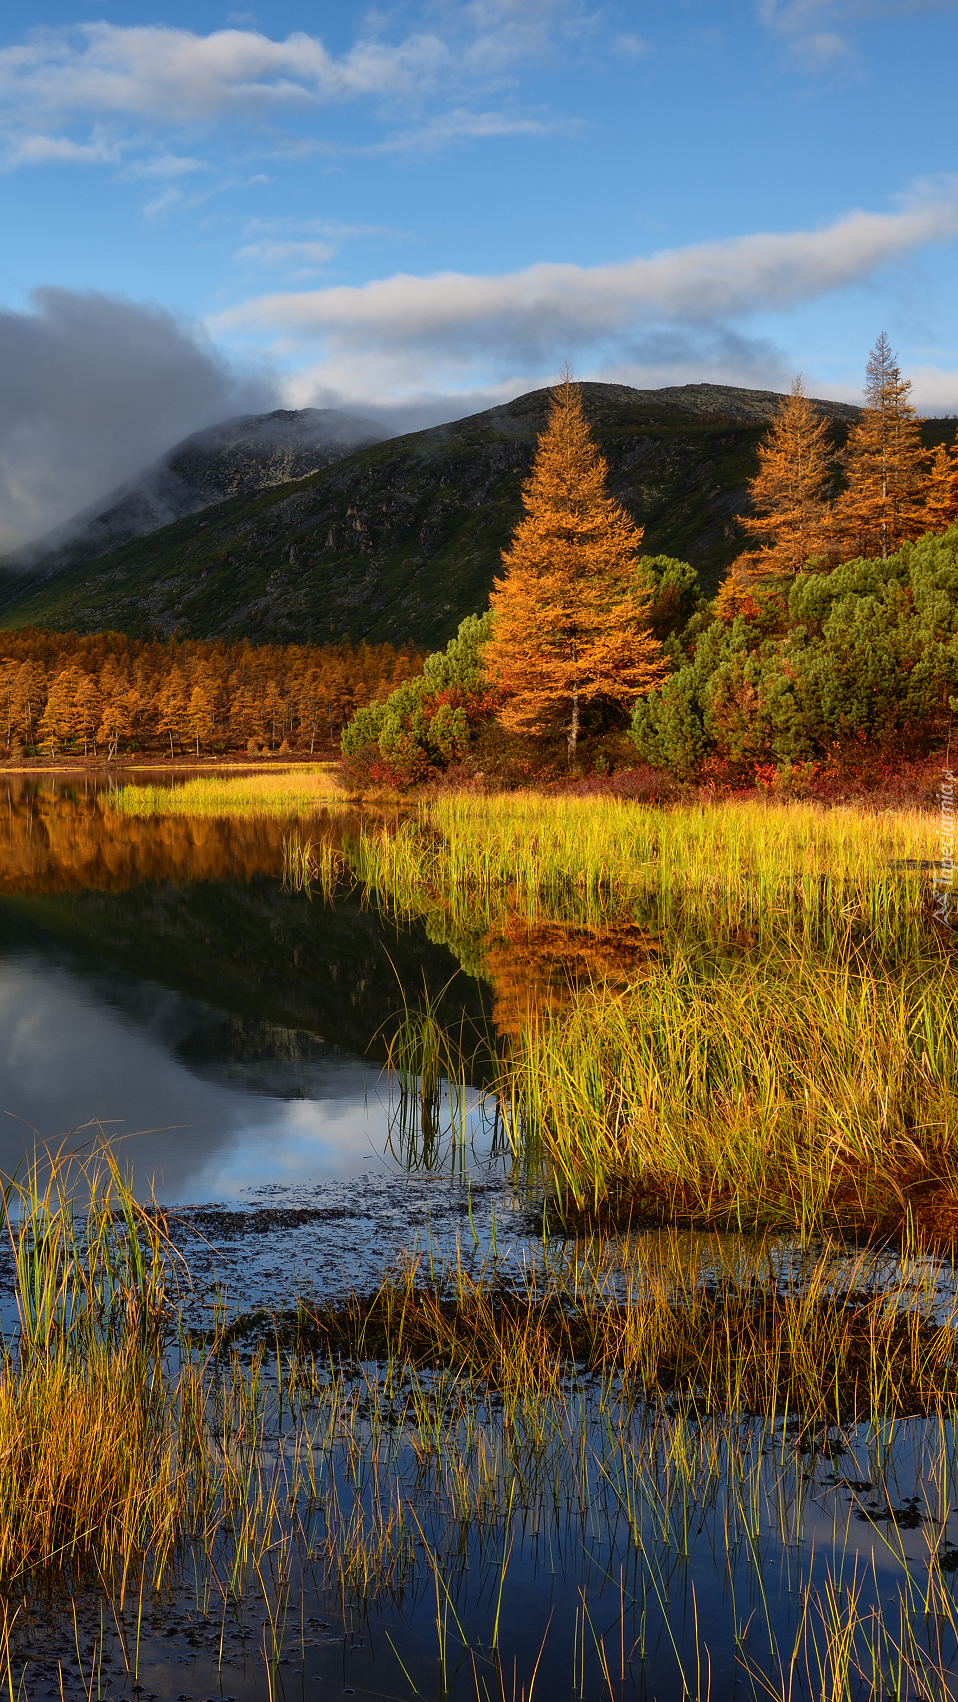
{"points": [[156, 976]]}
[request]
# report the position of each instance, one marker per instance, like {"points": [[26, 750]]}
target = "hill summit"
{"points": [[399, 539], [252, 452]]}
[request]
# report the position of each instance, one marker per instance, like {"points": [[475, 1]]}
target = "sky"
{"points": [[416, 211]]}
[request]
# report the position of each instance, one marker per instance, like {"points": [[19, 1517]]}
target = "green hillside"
{"points": [[400, 540]]}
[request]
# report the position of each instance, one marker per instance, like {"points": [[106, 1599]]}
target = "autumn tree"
{"points": [[87, 711], [884, 463], [787, 493], [941, 493], [570, 614]]}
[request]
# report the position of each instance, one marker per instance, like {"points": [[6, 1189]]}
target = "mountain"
{"points": [[253, 452], [401, 539]]}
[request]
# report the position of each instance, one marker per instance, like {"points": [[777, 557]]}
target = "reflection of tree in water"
{"points": [[537, 967], [58, 838]]}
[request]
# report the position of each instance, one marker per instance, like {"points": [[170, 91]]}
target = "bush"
{"points": [[428, 722], [867, 652]]}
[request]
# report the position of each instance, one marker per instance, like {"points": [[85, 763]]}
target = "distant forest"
{"points": [[63, 693]]}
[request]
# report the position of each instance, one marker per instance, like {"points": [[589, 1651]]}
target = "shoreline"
{"points": [[177, 765]]}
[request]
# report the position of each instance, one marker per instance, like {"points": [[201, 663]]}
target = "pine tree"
{"points": [[789, 512], [885, 466], [941, 494], [570, 616]]}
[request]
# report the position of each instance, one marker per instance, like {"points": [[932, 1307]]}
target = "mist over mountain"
{"points": [[400, 539], [252, 452]]}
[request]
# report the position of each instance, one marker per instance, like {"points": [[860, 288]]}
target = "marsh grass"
{"points": [[290, 792], [769, 1035], [413, 1441], [306, 861], [796, 1091], [722, 870], [841, 1337]]}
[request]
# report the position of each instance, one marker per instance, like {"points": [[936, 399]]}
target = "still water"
{"points": [[156, 977]]}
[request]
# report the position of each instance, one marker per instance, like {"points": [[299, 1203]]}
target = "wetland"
{"points": [[499, 1248]]}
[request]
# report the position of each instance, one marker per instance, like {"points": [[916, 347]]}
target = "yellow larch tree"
{"points": [[789, 512], [570, 614], [941, 493], [884, 461]]}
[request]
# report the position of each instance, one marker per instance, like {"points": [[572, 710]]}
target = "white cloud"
{"points": [[141, 77], [459, 125], [935, 389], [174, 76], [161, 203], [166, 165], [633, 46], [457, 322], [817, 32], [60, 150]]}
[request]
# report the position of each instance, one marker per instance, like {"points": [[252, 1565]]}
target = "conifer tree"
{"points": [[570, 615], [941, 494], [789, 512], [885, 466]]}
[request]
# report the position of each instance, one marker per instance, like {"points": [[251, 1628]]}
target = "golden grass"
{"points": [[719, 868], [796, 1091], [698, 1320], [290, 792], [778, 1042]]}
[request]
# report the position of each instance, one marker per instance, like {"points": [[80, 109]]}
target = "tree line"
{"points": [[838, 623], [64, 693]]}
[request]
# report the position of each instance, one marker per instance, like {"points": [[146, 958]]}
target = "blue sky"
{"points": [[417, 210]]}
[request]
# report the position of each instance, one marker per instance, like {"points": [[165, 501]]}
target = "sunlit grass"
{"points": [[292, 792], [778, 1048], [787, 1090], [716, 868]]}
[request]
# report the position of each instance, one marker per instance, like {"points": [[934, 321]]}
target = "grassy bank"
{"points": [[719, 869], [290, 792], [737, 1014]]}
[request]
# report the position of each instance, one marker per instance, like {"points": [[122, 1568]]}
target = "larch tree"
{"points": [[941, 493], [884, 462], [570, 614], [789, 512]]}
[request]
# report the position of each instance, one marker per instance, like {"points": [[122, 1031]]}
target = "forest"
{"points": [[63, 693]]}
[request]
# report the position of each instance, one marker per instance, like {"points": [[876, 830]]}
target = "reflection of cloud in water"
{"points": [[68, 1055], [298, 1141]]}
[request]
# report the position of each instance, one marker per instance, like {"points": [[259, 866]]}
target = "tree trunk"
{"points": [[574, 724]]}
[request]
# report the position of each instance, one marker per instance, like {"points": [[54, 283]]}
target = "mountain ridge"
{"points": [[241, 455], [400, 539]]}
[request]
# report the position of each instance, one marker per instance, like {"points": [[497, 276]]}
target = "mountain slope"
{"points": [[251, 453], [400, 540]]}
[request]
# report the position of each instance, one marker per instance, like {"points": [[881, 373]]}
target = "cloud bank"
{"points": [[94, 390], [407, 336]]}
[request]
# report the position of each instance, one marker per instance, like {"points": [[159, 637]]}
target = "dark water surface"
{"points": [[228, 1034]]}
